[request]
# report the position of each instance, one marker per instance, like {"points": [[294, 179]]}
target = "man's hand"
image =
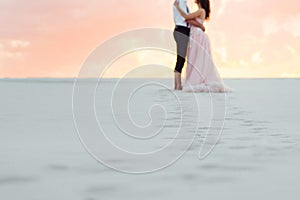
{"points": [[196, 23]]}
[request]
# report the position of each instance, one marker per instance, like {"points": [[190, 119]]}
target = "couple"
{"points": [[201, 73]]}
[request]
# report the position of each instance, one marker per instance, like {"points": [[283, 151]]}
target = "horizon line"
{"points": [[16, 78]]}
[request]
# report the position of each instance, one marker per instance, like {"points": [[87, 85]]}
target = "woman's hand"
{"points": [[176, 4]]}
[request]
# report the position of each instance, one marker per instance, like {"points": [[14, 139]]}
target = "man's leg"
{"points": [[177, 76], [181, 36]]}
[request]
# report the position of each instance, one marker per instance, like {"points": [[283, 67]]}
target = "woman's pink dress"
{"points": [[201, 73]]}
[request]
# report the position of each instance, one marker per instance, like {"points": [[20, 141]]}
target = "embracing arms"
{"points": [[197, 24], [190, 18]]}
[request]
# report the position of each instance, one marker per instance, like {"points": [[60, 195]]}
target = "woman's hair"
{"points": [[206, 6]]}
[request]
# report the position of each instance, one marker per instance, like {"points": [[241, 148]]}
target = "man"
{"points": [[181, 35]]}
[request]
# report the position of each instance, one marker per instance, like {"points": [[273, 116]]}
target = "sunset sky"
{"points": [[51, 38]]}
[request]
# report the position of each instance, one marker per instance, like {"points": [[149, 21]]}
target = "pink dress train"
{"points": [[201, 73]]}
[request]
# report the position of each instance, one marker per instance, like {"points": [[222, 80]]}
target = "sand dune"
{"points": [[257, 157]]}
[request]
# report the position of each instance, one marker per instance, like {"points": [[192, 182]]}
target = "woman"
{"points": [[201, 73]]}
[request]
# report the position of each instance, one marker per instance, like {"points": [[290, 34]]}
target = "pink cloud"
{"points": [[263, 26], [60, 34]]}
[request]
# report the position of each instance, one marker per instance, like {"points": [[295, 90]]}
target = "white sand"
{"points": [[257, 157]]}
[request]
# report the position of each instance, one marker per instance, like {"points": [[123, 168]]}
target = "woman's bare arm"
{"points": [[188, 16], [197, 24]]}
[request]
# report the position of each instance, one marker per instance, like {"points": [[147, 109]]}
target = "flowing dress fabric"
{"points": [[201, 73]]}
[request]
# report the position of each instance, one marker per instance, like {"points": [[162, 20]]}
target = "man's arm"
{"points": [[195, 23], [185, 15]]}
